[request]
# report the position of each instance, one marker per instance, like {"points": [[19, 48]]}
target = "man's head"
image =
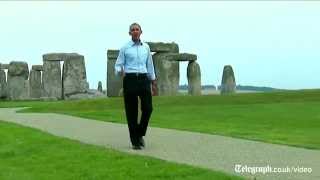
{"points": [[135, 31]]}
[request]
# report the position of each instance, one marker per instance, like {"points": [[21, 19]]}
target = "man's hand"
{"points": [[121, 73], [154, 88]]}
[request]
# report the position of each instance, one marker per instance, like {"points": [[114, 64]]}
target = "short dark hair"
{"points": [[134, 24]]}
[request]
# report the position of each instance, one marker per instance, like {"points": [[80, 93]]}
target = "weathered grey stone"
{"points": [[100, 86], [51, 79], [112, 54], [37, 67], [18, 68], [3, 84], [114, 82], [35, 84], [167, 73], [73, 80], [163, 47], [181, 57], [17, 83], [194, 78], [4, 66], [74, 76], [228, 83], [58, 56], [18, 88]]}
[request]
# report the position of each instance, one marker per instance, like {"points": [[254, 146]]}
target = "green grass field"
{"points": [[288, 117], [28, 154]]}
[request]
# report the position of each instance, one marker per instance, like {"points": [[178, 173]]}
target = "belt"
{"points": [[136, 74]]}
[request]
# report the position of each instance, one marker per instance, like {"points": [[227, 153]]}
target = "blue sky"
{"points": [[268, 43]]}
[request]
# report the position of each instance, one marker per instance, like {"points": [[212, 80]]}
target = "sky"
{"points": [[268, 43]]}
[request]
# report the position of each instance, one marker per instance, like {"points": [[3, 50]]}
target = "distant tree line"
{"points": [[203, 87], [238, 87]]}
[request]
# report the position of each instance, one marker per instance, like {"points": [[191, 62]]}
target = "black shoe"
{"points": [[141, 142], [136, 147]]}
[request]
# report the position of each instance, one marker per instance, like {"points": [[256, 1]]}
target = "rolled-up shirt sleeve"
{"points": [[118, 67], [150, 67]]}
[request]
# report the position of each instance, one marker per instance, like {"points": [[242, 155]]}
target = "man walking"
{"points": [[135, 65]]}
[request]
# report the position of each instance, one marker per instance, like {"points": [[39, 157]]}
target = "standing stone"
{"points": [[182, 57], [18, 68], [58, 56], [35, 84], [163, 47], [18, 85], [3, 84], [114, 82], [100, 86], [167, 73], [194, 78], [74, 76], [228, 83], [37, 67], [51, 76], [4, 66]]}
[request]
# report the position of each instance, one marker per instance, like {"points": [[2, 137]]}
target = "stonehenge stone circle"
{"points": [[63, 75]]}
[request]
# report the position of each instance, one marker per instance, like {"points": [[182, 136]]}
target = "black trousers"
{"points": [[137, 86]]}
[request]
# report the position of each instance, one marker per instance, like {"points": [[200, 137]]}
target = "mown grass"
{"points": [[28, 154], [288, 117]]}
